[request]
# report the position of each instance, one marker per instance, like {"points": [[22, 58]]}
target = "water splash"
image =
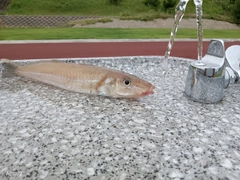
{"points": [[198, 4], [179, 13]]}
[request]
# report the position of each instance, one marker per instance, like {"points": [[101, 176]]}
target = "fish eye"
{"points": [[127, 82]]}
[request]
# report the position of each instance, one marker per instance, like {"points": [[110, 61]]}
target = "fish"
{"points": [[81, 78]]}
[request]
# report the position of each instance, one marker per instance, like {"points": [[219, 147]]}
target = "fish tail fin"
{"points": [[8, 68]]}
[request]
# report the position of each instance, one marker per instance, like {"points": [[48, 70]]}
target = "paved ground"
{"points": [[164, 23], [185, 49]]}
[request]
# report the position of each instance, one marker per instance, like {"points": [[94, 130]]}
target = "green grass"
{"points": [[128, 9], [73, 7], [107, 33]]}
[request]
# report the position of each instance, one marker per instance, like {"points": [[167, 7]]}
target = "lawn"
{"points": [[108, 33]]}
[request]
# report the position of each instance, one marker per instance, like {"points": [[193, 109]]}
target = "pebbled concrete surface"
{"points": [[49, 133]]}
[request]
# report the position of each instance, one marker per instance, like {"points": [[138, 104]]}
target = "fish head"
{"points": [[128, 86]]}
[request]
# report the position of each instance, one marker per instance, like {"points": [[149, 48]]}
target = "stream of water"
{"points": [[179, 13], [198, 4]]}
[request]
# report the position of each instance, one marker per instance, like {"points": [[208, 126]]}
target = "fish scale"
{"points": [[63, 75]]}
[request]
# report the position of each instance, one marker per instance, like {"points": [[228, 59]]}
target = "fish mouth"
{"points": [[149, 91]]}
